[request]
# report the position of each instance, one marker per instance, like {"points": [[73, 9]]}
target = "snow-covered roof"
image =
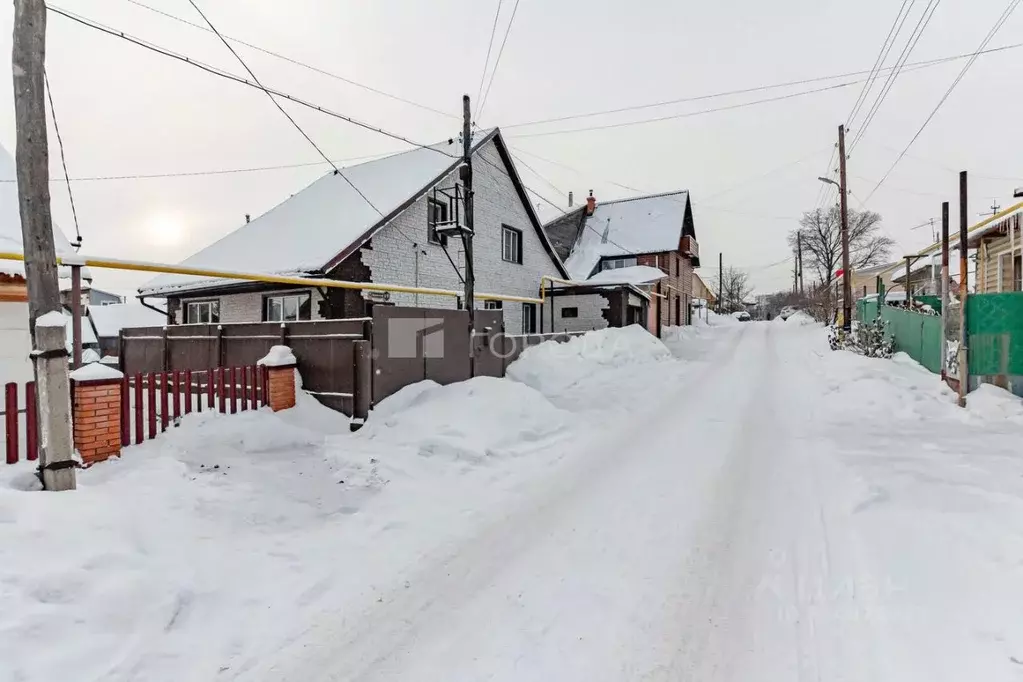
{"points": [[88, 335], [636, 274], [304, 233], [10, 219], [629, 226], [109, 320]]}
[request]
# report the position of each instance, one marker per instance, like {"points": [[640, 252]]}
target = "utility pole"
{"points": [[721, 280], [470, 275], [32, 157], [944, 288], [799, 261], [843, 192], [964, 371]]}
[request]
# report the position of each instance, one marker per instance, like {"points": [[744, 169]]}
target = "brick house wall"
{"points": [[392, 255], [677, 287], [246, 307]]}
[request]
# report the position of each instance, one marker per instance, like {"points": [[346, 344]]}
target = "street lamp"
{"points": [[830, 182], [1018, 193]]}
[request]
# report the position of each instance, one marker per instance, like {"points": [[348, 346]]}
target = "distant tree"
{"points": [[734, 288], [821, 235]]}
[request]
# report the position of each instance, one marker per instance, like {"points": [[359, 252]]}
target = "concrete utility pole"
{"points": [[32, 156], [721, 281], [964, 285], [799, 261], [843, 198], [470, 275], [944, 287]]}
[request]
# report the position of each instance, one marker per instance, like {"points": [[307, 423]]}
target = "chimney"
{"points": [[570, 199], [248, 217], [591, 204]]}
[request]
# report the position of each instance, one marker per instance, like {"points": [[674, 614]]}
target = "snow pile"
{"points": [[503, 417], [992, 402], [800, 319], [95, 371], [552, 366], [278, 356]]}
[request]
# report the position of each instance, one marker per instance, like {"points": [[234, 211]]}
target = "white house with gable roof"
{"points": [[381, 230]]}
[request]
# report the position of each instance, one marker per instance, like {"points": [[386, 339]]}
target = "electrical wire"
{"points": [[900, 62], [1013, 4], [284, 111], [490, 47], [886, 47], [230, 76], [63, 159], [760, 88], [296, 62], [497, 61]]}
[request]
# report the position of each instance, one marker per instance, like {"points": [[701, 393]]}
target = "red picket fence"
{"points": [[162, 398], [20, 435]]}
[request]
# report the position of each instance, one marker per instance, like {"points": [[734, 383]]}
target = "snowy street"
{"points": [[748, 506]]}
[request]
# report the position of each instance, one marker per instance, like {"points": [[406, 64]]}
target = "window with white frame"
{"points": [[202, 312], [287, 307], [437, 212], [616, 263], [493, 305], [511, 244]]}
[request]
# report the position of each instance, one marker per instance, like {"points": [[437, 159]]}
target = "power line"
{"points": [[63, 159], [760, 88], [900, 62], [875, 70], [966, 67], [230, 76], [284, 111], [537, 174], [296, 62], [490, 47], [497, 62]]}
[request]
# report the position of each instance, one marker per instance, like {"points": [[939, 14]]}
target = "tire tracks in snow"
{"points": [[366, 644]]}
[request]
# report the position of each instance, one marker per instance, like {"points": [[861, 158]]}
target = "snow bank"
{"points": [[551, 366], [990, 401], [800, 319]]}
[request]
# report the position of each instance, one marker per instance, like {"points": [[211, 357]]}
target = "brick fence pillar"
{"points": [[281, 364], [96, 412]]}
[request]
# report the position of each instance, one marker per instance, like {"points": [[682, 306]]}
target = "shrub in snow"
{"points": [[871, 339]]}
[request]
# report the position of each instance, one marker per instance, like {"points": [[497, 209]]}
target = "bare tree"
{"points": [[821, 232], [734, 290]]}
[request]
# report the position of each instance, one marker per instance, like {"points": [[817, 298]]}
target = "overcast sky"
{"points": [[751, 171]]}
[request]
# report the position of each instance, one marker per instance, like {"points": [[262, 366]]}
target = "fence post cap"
{"points": [[279, 356], [96, 371]]}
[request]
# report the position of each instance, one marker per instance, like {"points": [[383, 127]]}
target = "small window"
{"points": [[511, 247], [493, 305], [202, 312], [288, 307], [436, 214], [570, 312]]}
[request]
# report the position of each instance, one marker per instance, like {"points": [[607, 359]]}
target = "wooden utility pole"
{"points": [[944, 287], [909, 287], [721, 281], [470, 274], [964, 283], [32, 156], [844, 203]]}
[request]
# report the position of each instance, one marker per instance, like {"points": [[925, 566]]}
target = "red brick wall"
{"points": [[677, 287], [97, 420], [282, 388]]}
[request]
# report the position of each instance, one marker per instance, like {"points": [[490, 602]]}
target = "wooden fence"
{"points": [[326, 351], [21, 435], [152, 401]]}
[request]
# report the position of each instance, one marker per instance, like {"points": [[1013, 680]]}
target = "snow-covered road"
{"points": [[755, 508], [711, 538]]}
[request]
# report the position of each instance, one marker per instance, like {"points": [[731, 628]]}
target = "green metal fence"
{"points": [[916, 334], [994, 323]]}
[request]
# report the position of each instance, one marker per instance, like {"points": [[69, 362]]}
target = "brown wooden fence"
{"points": [[325, 350], [405, 345]]}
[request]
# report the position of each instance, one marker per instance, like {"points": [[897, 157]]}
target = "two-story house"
{"points": [[378, 223], [654, 231]]}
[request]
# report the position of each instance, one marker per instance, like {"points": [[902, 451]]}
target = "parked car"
{"points": [[742, 316], [787, 312]]}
